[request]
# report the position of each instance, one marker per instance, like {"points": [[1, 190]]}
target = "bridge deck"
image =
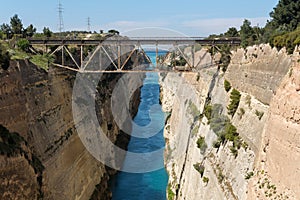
{"points": [[138, 41]]}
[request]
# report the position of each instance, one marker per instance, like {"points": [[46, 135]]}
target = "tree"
{"points": [[286, 13], [246, 33], [16, 25], [5, 28], [47, 32], [30, 31], [114, 32], [232, 32]]}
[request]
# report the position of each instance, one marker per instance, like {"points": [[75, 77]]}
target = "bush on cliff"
{"points": [[201, 144], [208, 111], [200, 168], [23, 44], [227, 85], [235, 98]]}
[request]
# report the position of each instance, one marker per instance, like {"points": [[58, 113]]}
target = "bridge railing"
{"points": [[138, 40]]}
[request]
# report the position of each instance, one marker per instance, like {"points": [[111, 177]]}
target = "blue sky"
{"points": [[191, 17]]}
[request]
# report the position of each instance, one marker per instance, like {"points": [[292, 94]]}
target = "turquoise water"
{"points": [[152, 185]]}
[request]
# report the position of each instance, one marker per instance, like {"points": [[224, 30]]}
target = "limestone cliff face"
{"points": [[38, 105], [258, 70], [225, 172], [280, 149]]}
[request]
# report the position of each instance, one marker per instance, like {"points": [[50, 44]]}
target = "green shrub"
{"points": [[23, 44], [42, 61], [230, 132], [245, 145], [205, 179], [217, 144], [234, 102], [208, 111], [171, 194], [200, 168], [201, 144], [249, 175], [227, 85], [259, 114]]}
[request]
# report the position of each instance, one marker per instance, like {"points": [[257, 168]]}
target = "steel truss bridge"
{"points": [[119, 50]]}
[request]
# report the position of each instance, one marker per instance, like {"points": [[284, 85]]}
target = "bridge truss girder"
{"points": [[115, 58]]}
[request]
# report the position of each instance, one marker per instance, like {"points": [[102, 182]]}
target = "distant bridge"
{"points": [[124, 46]]}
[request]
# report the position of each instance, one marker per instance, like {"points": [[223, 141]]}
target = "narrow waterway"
{"points": [[151, 185]]}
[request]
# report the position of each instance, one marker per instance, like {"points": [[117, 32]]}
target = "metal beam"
{"points": [[119, 56], [111, 60], [67, 50], [131, 53], [184, 57], [90, 58], [56, 50]]}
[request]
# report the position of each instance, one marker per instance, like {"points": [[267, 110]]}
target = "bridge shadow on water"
{"points": [[151, 185]]}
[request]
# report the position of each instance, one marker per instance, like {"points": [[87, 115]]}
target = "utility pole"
{"points": [[89, 24], [60, 15]]}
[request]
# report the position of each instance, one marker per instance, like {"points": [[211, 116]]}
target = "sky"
{"points": [[190, 17]]}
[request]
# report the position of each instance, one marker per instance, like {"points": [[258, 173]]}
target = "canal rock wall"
{"points": [[50, 161], [254, 169]]}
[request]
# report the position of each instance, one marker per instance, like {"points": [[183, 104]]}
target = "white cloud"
{"points": [[220, 25]]}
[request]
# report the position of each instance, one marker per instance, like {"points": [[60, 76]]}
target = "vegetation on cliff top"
{"points": [[283, 30], [14, 44]]}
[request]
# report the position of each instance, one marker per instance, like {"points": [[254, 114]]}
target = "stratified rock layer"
{"points": [[38, 105], [258, 70], [280, 152], [267, 119]]}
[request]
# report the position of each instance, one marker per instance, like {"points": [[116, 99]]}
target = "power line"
{"points": [[60, 15]]}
